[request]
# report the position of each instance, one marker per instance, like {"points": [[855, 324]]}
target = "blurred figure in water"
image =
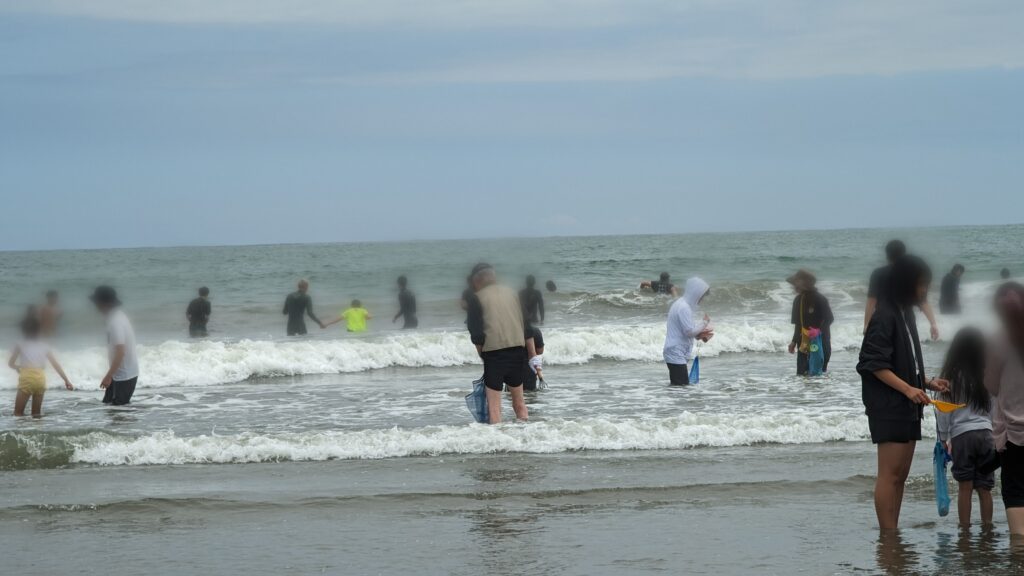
{"points": [[533, 301], [198, 314], [355, 317], [893, 382], [406, 305], [50, 314], [29, 359], [879, 282], [663, 285], [550, 285], [949, 292], [1004, 379], [810, 310], [297, 306]]}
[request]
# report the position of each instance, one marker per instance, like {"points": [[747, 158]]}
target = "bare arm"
{"points": [[869, 311], [115, 364], [926, 307], [331, 323], [916, 395], [60, 370], [12, 363]]}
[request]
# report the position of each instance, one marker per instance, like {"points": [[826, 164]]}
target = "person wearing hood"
{"points": [[810, 310], [683, 328]]}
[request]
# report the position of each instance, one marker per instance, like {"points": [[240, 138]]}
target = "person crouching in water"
{"points": [[29, 359], [682, 329], [893, 383], [967, 432], [503, 340], [810, 310]]}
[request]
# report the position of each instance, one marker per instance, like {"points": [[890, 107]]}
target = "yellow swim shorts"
{"points": [[32, 381]]}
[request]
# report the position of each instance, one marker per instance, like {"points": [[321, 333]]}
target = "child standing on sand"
{"points": [[29, 359], [355, 317], [967, 432]]}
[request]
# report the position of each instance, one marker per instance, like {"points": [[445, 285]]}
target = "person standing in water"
{"points": [[406, 305], [682, 328], [662, 286], [297, 306], [533, 301], [50, 314], [198, 314], [879, 282], [503, 339], [355, 317], [29, 359], [949, 293], [123, 373], [810, 310], [893, 382]]}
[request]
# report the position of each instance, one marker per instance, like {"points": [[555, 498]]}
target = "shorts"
{"points": [[120, 392], [31, 381], [678, 375], [973, 454], [899, 431], [198, 331], [1012, 476], [504, 367]]}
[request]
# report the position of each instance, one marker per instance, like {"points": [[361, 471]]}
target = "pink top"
{"points": [[1004, 378]]}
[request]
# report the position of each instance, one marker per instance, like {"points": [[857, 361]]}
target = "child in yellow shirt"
{"points": [[355, 317]]}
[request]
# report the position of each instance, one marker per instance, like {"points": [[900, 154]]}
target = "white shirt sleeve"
{"points": [[118, 334]]}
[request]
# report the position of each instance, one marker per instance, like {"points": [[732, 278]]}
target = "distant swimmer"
{"points": [[810, 310], [550, 285], [198, 314], [297, 306], [355, 317], [683, 328], [50, 314], [532, 300], [663, 285], [949, 291], [29, 359], [503, 340], [879, 282], [1004, 273], [406, 305], [123, 373]]}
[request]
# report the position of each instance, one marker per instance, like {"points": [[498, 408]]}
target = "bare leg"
{"points": [[494, 406], [19, 403], [894, 460], [37, 405], [1015, 518], [519, 403], [963, 502], [985, 503]]}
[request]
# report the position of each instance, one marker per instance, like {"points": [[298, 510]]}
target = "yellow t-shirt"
{"points": [[356, 319]]}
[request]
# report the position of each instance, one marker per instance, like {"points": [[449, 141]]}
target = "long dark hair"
{"points": [[965, 370], [1009, 302], [907, 273]]}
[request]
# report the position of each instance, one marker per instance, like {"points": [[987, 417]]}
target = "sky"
{"points": [[195, 122]]}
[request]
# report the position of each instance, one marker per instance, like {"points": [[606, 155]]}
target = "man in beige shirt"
{"points": [[503, 339]]}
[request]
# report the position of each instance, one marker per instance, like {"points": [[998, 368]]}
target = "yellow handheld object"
{"points": [[947, 407]]}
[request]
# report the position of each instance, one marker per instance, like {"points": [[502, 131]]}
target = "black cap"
{"points": [[105, 295], [480, 268]]}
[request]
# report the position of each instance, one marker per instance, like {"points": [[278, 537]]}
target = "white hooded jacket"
{"points": [[682, 327]]}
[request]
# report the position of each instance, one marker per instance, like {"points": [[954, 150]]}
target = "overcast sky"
{"points": [[158, 122]]}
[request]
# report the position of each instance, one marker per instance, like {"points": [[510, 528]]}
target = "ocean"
{"points": [[252, 452]]}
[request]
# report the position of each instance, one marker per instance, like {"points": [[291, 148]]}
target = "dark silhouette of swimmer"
{"points": [[532, 301], [1004, 273], [406, 305], [551, 286], [663, 285], [296, 306], [198, 314]]}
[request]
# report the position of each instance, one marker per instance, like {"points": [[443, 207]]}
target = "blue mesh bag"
{"points": [[476, 401]]}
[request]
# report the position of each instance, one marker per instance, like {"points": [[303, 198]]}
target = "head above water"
{"points": [[402, 281], [531, 281], [895, 250], [909, 281], [958, 269], [803, 281], [1004, 273], [551, 286], [664, 277], [105, 298], [204, 291], [696, 290], [303, 285], [483, 275], [52, 297], [965, 369], [357, 304]]}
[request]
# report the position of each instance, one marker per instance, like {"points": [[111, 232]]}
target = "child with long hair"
{"points": [[967, 432], [29, 359]]}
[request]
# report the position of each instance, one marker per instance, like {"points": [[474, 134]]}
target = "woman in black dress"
{"points": [[893, 383]]}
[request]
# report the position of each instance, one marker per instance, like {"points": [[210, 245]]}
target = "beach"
{"points": [[253, 453]]}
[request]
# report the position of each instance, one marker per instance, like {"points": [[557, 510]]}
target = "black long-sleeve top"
{"points": [[533, 304], [817, 313], [296, 305], [891, 342]]}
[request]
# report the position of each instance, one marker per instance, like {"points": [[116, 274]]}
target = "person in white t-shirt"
{"points": [[29, 359], [123, 374]]}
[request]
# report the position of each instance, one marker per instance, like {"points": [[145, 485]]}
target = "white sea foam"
{"points": [[204, 363], [688, 430]]}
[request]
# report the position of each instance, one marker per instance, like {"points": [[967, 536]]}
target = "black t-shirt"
{"points": [[199, 311], [949, 298]]}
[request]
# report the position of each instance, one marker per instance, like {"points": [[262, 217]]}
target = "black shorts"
{"points": [[120, 392], [678, 375], [504, 367], [900, 431], [1012, 476], [973, 454]]}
